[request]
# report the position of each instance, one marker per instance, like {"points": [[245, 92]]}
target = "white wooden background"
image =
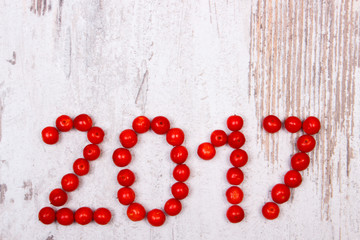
{"points": [[196, 62]]}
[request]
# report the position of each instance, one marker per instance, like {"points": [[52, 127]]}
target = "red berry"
{"points": [[47, 215], [300, 161], [292, 179], [126, 177], [121, 157], [81, 167], [234, 195], [102, 216], [126, 195], [95, 135], [128, 138], [236, 140], [83, 215], [272, 124], [234, 123], [65, 216], [50, 135], [311, 125], [280, 193], [173, 207], [179, 190], [83, 122], [235, 214], [141, 124], [136, 212], [91, 152], [206, 151], [160, 125], [175, 136], [64, 123], [218, 138], [235, 176], [293, 124], [181, 172], [306, 143], [156, 217], [69, 182], [270, 210], [238, 158], [58, 197], [179, 154]]}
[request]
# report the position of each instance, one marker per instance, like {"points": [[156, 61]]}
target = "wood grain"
{"points": [[196, 62]]}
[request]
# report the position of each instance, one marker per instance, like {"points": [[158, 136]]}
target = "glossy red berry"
{"points": [[83, 215], [311, 125], [293, 124], [280, 193], [128, 138], [206, 151], [126, 177], [156, 217], [47, 215], [64, 123], [50, 135], [235, 123], [271, 124], [181, 172], [95, 135], [292, 179], [126, 195], [65, 216], [136, 212], [173, 207], [238, 158], [81, 167], [102, 216], [83, 122], [300, 161], [236, 139], [218, 138], [235, 176], [141, 124], [270, 210], [160, 125], [179, 154], [235, 214], [175, 136], [91, 152], [234, 195], [70, 182], [179, 190], [58, 197], [121, 157], [306, 143]]}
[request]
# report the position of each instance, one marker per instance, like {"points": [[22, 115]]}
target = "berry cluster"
{"points": [[122, 157], [280, 193], [58, 197], [238, 158]]}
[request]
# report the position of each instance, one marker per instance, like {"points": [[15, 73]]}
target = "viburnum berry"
{"points": [[270, 210], [95, 135], [234, 123], [64, 123], [83, 122], [160, 125], [306, 143], [128, 138], [206, 151], [235, 214], [293, 124], [141, 124], [311, 125], [218, 138], [280, 193], [47, 215], [236, 139], [271, 124], [50, 135]]}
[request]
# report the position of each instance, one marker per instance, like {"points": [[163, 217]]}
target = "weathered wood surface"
{"points": [[196, 62]]}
